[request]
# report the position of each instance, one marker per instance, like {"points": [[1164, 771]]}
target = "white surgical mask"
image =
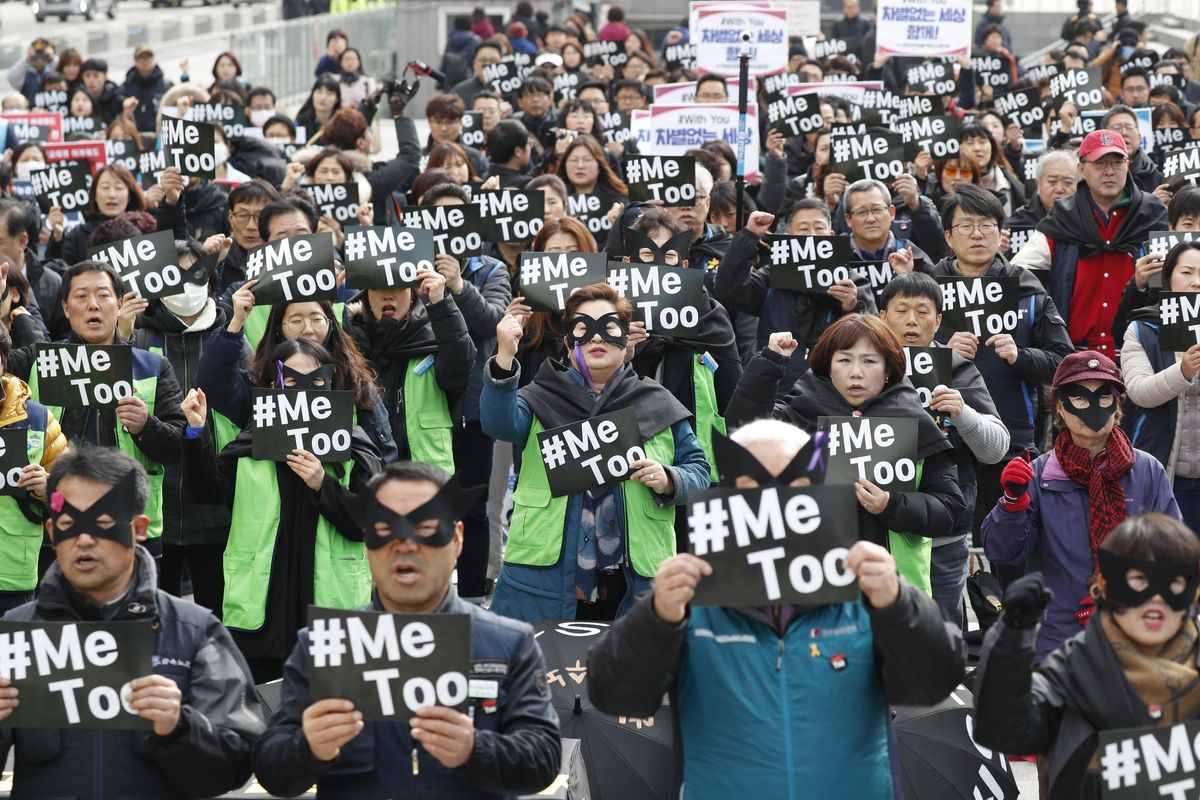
{"points": [[259, 116], [280, 141], [191, 301], [221, 152], [26, 168]]}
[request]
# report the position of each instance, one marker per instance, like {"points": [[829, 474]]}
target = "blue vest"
{"points": [[799, 727], [1152, 429]]}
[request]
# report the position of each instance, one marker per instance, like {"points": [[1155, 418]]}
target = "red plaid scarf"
{"points": [[1102, 477]]}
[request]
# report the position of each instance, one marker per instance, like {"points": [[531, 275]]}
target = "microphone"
{"points": [[421, 68]]}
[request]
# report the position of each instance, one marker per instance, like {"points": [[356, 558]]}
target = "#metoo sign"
{"points": [[982, 306], [287, 419], [293, 269], [546, 280], [389, 665], [14, 457], [189, 146], [75, 674], [382, 256], [84, 375], [591, 453], [775, 545], [882, 450]]}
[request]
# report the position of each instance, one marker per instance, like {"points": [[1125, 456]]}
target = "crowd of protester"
{"points": [[1064, 449]]}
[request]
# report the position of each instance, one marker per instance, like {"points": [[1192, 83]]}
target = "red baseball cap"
{"points": [[1088, 364], [1098, 144]]}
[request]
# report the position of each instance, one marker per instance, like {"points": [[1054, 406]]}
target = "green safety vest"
{"points": [[20, 539], [707, 418], [341, 575], [427, 419], [535, 534], [144, 389], [255, 326], [913, 552]]}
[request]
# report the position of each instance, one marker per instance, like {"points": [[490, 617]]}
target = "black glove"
{"points": [[399, 94], [1024, 601]]}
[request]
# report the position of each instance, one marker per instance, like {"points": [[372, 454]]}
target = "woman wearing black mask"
{"points": [[295, 539], [1055, 512]]}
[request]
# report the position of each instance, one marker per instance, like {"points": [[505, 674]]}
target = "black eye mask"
{"points": [[635, 240], [447, 507], [734, 461], [305, 381], [597, 326], [201, 270], [1094, 416], [119, 503], [1159, 575]]}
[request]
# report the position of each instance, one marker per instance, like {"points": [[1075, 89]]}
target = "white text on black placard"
{"points": [[293, 269], [336, 200], [670, 300], [457, 230], [1150, 763], [382, 257], [882, 450], [1180, 314], [591, 453], [546, 280], [64, 184], [74, 375], [317, 421], [190, 147], [147, 264], [669, 179], [510, 216], [980, 306], [809, 263], [14, 457]]}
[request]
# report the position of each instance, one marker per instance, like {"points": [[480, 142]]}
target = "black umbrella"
{"points": [[626, 758], [940, 761]]}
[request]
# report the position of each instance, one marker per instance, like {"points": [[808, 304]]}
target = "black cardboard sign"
{"points": [[546, 280], [83, 375], [809, 263], [189, 146], [774, 546], [926, 369], [591, 453], [75, 674], [293, 269], [1180, 315], [882, 450], [64, 184], [147, 264], [876, 155], [457, 230], [937, 136], [473, 134], [1149, 763], [1083, 87], [670, 300], [511, 216], [794, 115], [982, 306], [381, 257], [336, 200], [389, 665], [284, 420], [14, 457], [668, 179]]}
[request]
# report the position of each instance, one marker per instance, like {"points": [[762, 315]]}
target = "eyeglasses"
{"points": [[1127, 127], [956, 172], [317, 322], [582, 161], [870, 211], [242, 217], [1109, 163], [967, 228]]}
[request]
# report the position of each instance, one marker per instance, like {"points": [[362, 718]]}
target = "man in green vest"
{"points": [[148, 425]]}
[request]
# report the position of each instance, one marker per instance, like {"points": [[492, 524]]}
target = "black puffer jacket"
{"points": [[201, 211], [221, 718]]}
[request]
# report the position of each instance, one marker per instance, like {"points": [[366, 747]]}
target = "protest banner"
{"points": [[147, 264], [774, 545], [316, 420], [808, 263], [382, 257], [672, 130], [232, 119], [457, 230], [668, 93], [546, 280], [927, 369], [189, 146], [981, 306], [40, 127], [1180, 314], [389, 665], [94, 154], [83, 375], [293, 269], [14, 457], [615, 128], [591, 453], [510, 216], [937, 136], [716, 30], [923, 28], [1083, 87], [75, 674], [670, 300], [793, 115], [1149, 763], [882, 450], [932, 77], [670, 180], [877, 155], [64, 184], [339, 201], [473, 134]]}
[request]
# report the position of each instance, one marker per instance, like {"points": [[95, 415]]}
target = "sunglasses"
{"points": [[956, 172]]}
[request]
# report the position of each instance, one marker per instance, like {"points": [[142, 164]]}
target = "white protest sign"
{"points": [[717, 33], [672, 130], [923, 27]]}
